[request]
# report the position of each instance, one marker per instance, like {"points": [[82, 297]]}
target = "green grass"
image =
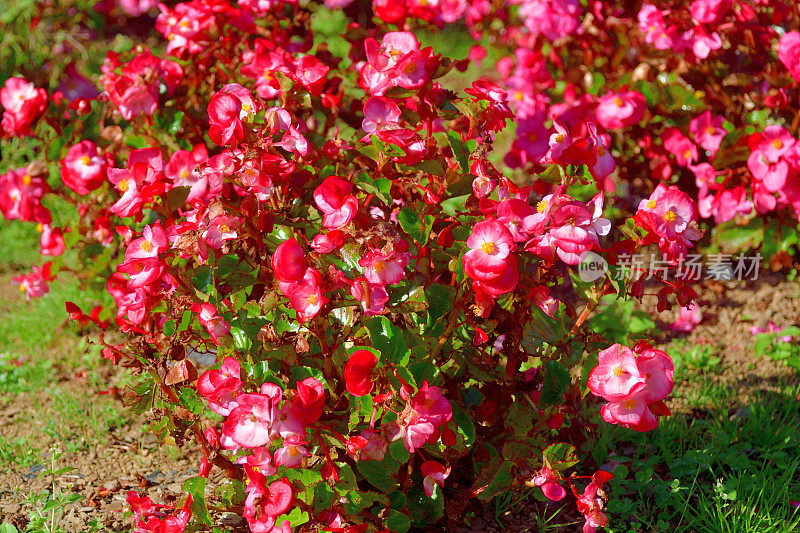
{"points": [[721, 467]]}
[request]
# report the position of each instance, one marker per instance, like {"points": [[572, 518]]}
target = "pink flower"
{"points": [[671, 215], [226, 126], [688, 318], [83, 169], [789, 53], [651, 23], [682, 148], [23, 103], [291, 453], [358, 372], [249, 424], [215, 324], [135, 90], [385, 268], [220, 387], [552, 18], [616, 376], [52, 241], [707, 11], [380, 113], [547, 480], [305, 296], [771, 328], [703, 42], [616, 111], [433, 474], [21, 196], [288, 262], [707, 131], [36, 283], [333, 197], [490, 245]]}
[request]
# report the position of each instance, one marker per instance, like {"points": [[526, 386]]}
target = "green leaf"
{"points": [[5, 527], [169, 327], [459, 150], [463, 423], [196, 487], [499, 482], [419, 228], [397, 521], [191, 401], [380, 474], [556, 383], [241, 340], [202, 278], [441, 299], [398, 451], [389, 340], [560, 456], [455, 205]]}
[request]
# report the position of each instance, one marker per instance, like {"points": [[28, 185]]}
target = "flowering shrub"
{"points": [[397, 318]]}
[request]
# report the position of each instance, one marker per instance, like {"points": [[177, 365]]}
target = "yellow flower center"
{"points": [[629, 404], [147, 246], [618, 371], [518, 96], [379, 266], [619, 102], [489, 248], [541, 206], [184, 173], [122, 185], [560, 138], [410, 68], [26, 179], [246, 107], [22, 288], [86, 160], [312, 299], [777, 144], [670, 216], [40, 227], [224, 228], [710, 130], [687, 154], [651, 204]]}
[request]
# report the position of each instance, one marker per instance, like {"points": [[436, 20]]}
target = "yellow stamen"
{"points": [[560, 138], [687, 154], [541, 206], [184, 173], [629, 404], [40, 227], [122, 185], [651, 204], [312, 299], [670, 216], [777, 144], [86, 160], [489, 248], [619, 102], [26, 179], [710, 130], [618, 371], [379, 266], [146, 246]]}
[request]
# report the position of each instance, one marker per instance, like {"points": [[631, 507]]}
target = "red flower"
{"points": [[358, 372]]}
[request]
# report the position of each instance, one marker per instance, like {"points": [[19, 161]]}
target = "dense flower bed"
{"points": [[389, 271]]}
